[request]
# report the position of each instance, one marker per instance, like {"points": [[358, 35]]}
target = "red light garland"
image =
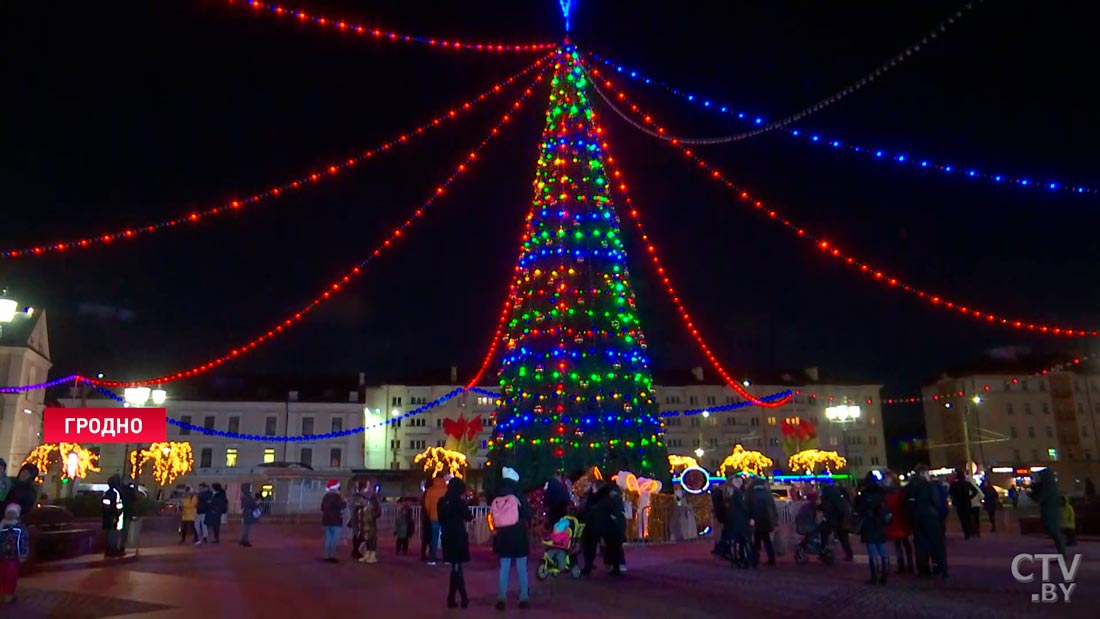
{"points": [[379, 34], [336, 285], [1015, 380], [831, 249], [236, 205]]}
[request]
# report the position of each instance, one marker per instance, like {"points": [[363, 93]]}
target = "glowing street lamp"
{"points": [[699, 453], [842, 413]]}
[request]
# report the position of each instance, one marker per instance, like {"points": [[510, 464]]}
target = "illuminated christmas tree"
{"points": [[576, 388]]}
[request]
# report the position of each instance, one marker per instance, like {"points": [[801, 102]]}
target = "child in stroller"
{"points": [[814, 536], [562, 547]]}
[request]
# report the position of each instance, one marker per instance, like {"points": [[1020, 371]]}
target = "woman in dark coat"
{"points": [[510, 543], [874, 516], [738, 531], [23, 492], [1046, 494], [454, 513]]}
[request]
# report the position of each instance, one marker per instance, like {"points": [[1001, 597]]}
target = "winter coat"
{"points": [[836, 507], [454, 513], [189, 508], [332, 507], [248, 503], [616, 526], [204, 501], [990, 499], [112, 505], [403, 526], [762, 509], [431, 498], [557, 501], [14, 540], [511, 542], [898, 527], [1069, 517], [737, 518], [871, 507], [597, 512], [962, 493], [718, 504], [219, 505], [924, 503], [1045, 493], [24, 493], [367, 518], [356, 502], [5, 488]]}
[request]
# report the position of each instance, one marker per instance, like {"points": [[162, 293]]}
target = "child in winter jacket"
{"points": [[560, 537], [14, 548], [402, 529]]}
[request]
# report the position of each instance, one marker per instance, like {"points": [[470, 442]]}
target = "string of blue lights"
{"points": [[817, 138]]}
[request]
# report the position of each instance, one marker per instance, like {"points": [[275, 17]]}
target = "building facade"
{"points": [[1017, 420], [24, 360]]}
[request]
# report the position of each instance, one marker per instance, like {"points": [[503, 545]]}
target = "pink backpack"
{"points": [[505, 511]]}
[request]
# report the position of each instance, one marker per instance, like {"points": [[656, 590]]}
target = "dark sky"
{"points": [[133, 111]]}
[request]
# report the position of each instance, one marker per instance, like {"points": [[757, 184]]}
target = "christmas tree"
{"points": [[576, 389]]}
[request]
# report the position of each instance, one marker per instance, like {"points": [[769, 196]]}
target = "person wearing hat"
{"points": [[23, 492], [332, 509], [5, 481], [510, 514], [14, 548]]}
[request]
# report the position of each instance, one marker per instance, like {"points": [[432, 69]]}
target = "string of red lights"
{"points": [[1014, 380], [662, 274], [237, 204], [338, 284], [504, 310], [832, 249], [380, 34]]}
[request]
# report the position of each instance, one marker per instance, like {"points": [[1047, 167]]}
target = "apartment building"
{"points": [[24, 360]]}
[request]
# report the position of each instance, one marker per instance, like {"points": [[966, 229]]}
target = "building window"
{"points": [[307, 425], [1016, 456], [1042, 385], [772, 421], [1046, 408], [185, 423], [874, 460], [1031, 431], [439, 422], [269, 426], [269, 455], [773, 442], [731, 420], [418, 422], [755, 421], [672, 421], [1050, 432], [234, 424], [395, 443], [1012, 431], [710, 400], [396, 400], [694, 422], [338, 424], [334, 457], [1027, 408], [230, 457], [1034, 455], [832, 441], [440, 443], [1008, 409], [1052, 454], [206, 457], [208, 422], [305, 456], [1088, 454]]}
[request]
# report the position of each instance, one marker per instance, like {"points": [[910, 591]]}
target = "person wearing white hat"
{"points": [[510, 514], [14, 548]]}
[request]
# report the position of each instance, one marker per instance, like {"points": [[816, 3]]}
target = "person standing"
{"points": [[251, 510], [200, 513], [129, 504], [5, 482], [113, 516], [962, 495], [454, 513], [188, 510], [557, 499], [1045, 493], [368, 525], [991, 501], [23, 492], [594, 504], [837, 510], [14, 549], [356, 501], [898, 529], [874, 516], [718, 517], [927, 510], [510, 514], [431, 508], [402, 528], [219, 505], [332, 510], [615, 531], [976, 500], [738, 529], [765, 517], [1090, 490]]}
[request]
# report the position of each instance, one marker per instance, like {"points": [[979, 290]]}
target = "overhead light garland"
{"points": [[831, 249], [1010, 380], [237, 205], [380, 34], [339, 284]]}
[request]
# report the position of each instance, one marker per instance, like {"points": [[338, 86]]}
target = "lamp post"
{"points": [[843, 415], [972, 402], [139, 397]]}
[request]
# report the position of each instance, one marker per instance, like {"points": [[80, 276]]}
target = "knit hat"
{"points": [[332, 485], [509, 473], [14, 509]]}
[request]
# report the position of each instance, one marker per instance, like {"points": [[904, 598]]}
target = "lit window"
{"points": [[337, 424], [231, 457], [772, 421], [270, 425], [1052, 454], [269, 455], [334, 457]]}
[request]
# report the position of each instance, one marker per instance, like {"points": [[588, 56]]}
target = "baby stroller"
{"points": [[549, 566], [806, 525]]}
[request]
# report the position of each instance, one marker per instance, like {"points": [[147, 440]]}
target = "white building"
{"points": [[24, 360]]}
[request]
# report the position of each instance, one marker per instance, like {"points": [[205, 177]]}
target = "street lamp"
{"points": [[699, 452], [843, 414], [140, 396]]}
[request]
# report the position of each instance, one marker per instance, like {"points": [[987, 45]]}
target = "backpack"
{"points": [[9, 542], [505, 511]]}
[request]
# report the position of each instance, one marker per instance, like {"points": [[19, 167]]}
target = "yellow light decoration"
{"points": [[592, 474], [437, 460], [680, 462], [170, 460], [808, 460], [42, 456], [741, 461]]}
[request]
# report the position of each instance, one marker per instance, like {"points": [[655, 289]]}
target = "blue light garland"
{"points": [[817, 138], [36, 386]]}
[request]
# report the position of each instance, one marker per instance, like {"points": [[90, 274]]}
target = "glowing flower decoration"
{"points": [[439, 460], [170, 460], [74, 460], [741, 461], [798, 435], [810, 460], [462, 434]]}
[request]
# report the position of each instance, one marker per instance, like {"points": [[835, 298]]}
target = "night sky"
{"points": [[130, 112]]}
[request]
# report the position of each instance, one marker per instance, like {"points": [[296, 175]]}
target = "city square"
{"points": [[801, 321]]}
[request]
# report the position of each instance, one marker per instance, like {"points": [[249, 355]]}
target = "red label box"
{"points": [[105, 425]]}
